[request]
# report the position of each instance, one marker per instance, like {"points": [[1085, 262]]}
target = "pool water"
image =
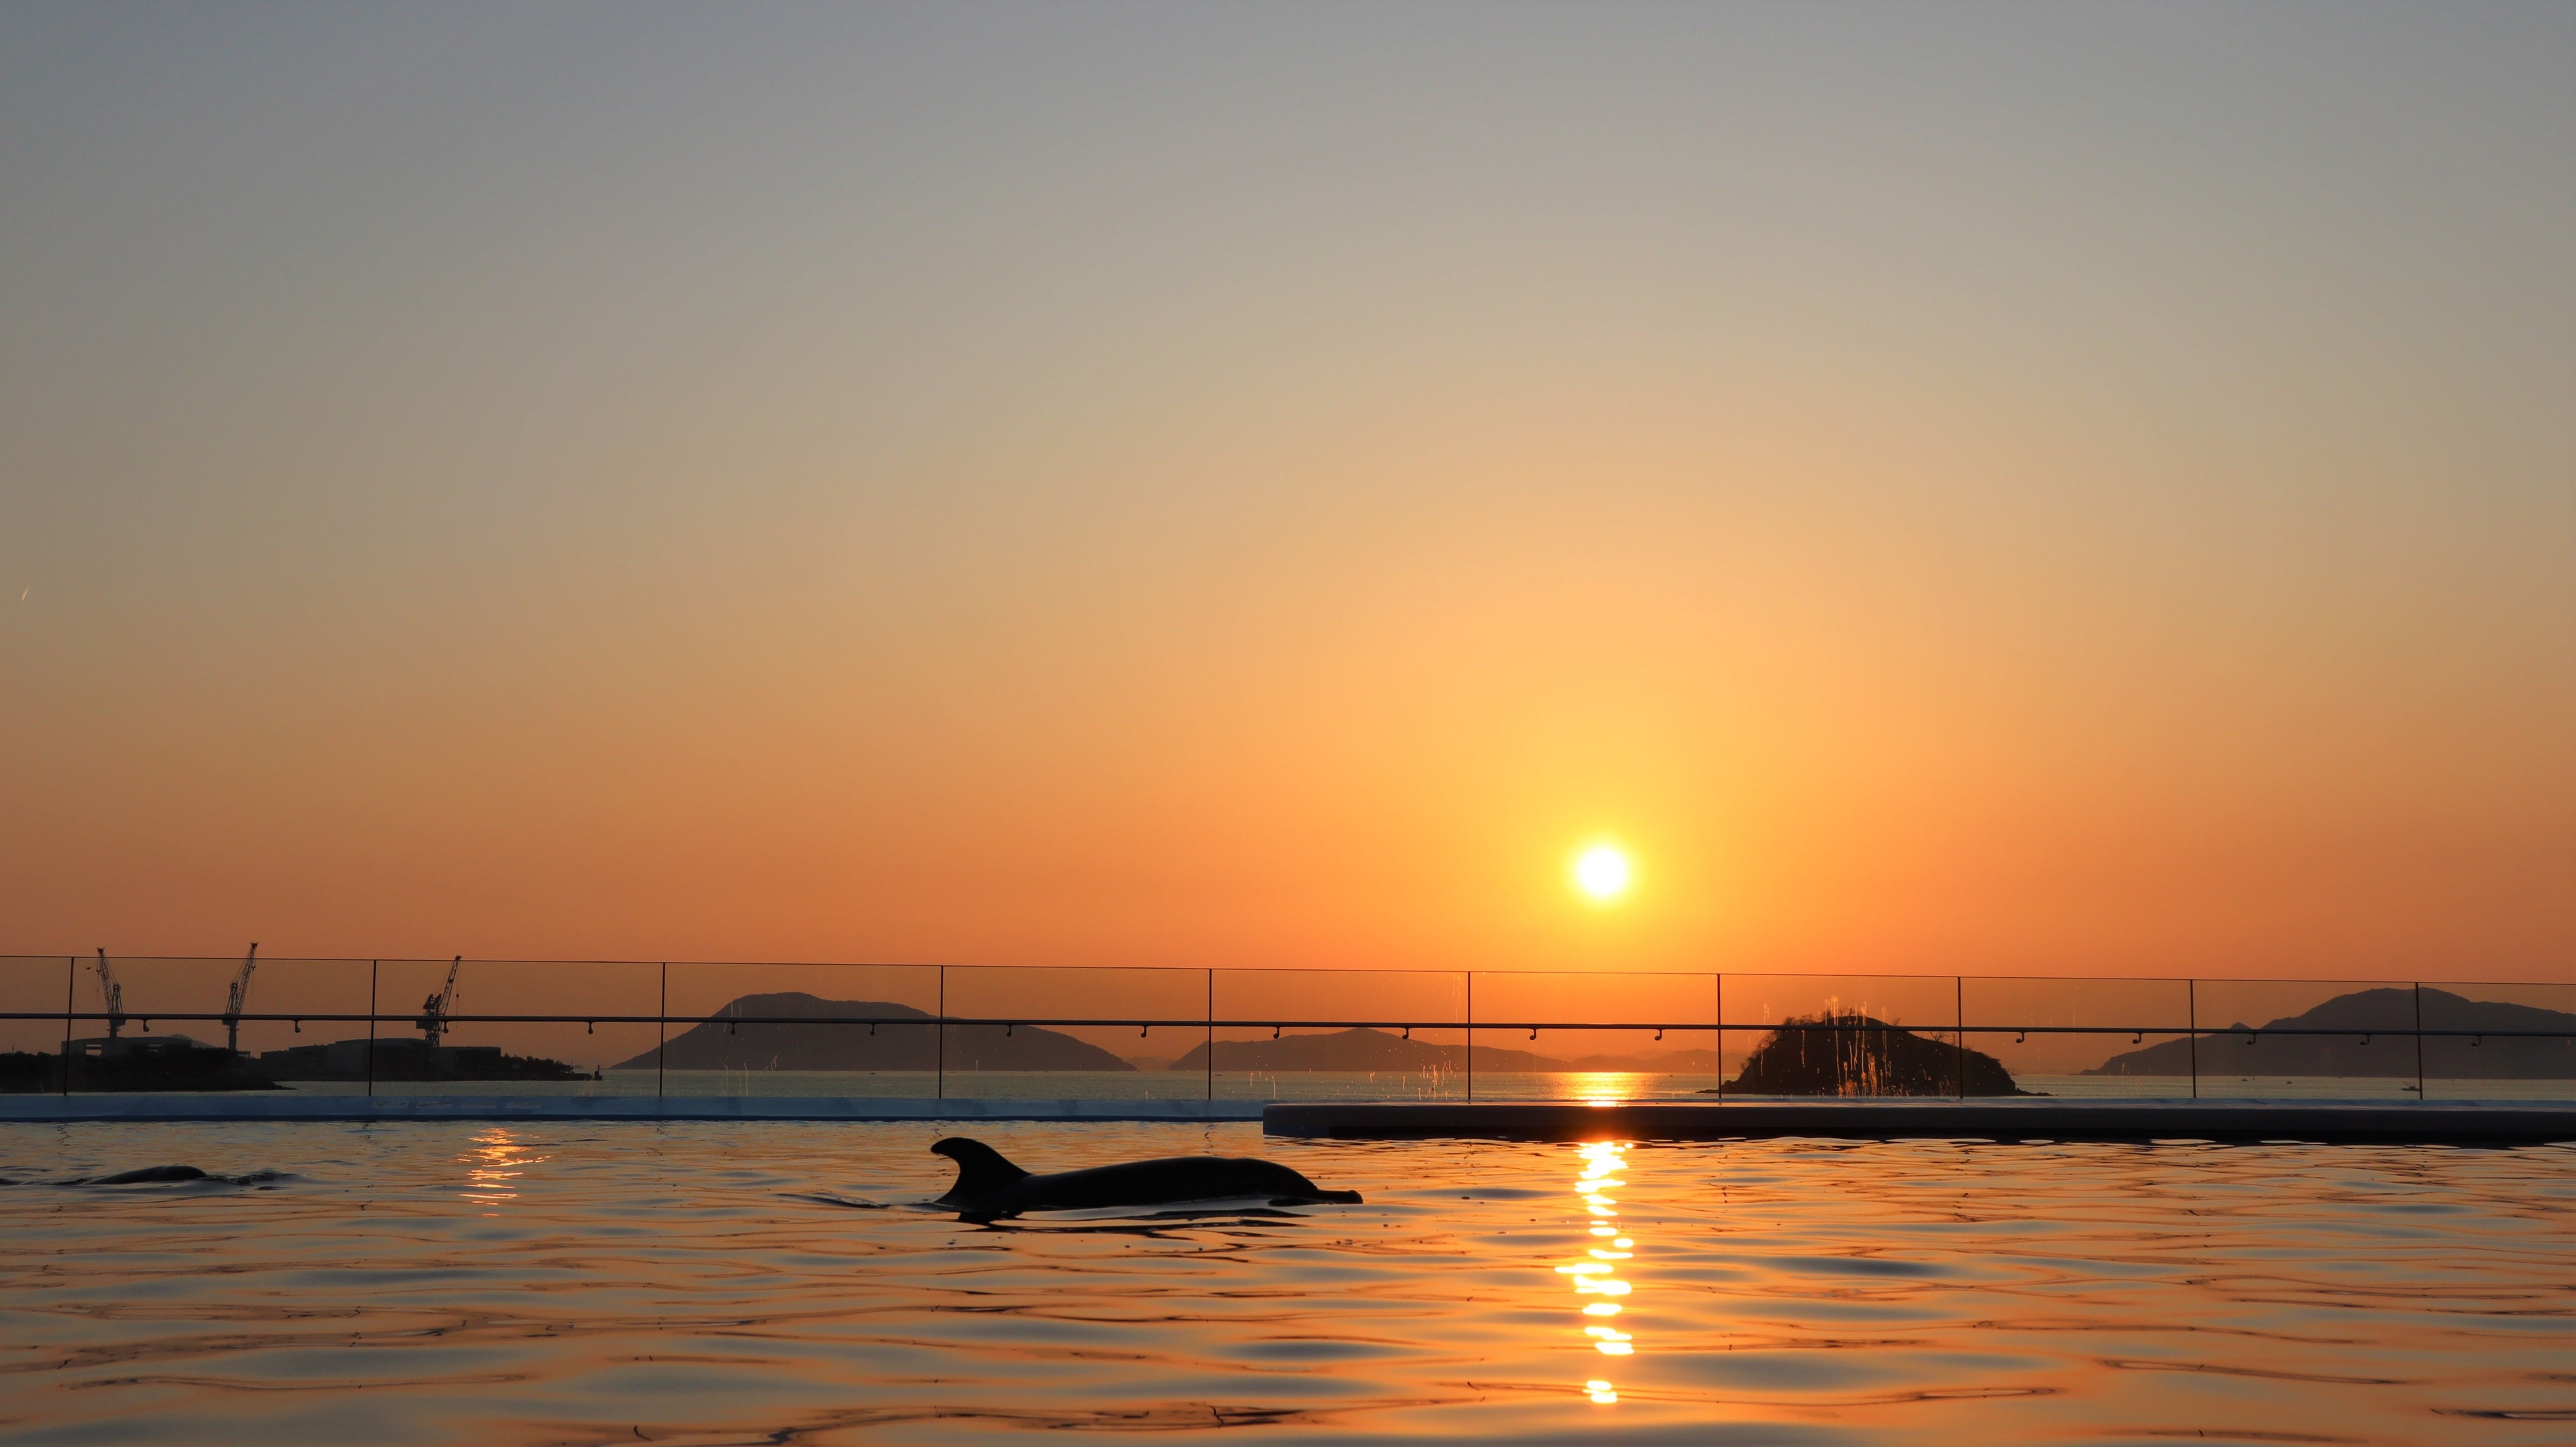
{"points": [[712, 1283]]}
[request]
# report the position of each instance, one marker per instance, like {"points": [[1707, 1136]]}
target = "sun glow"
{"points": [[1602, 873]]}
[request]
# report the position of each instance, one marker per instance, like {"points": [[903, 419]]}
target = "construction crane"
{"points": [[236, 997], [115, 994], [433, 1011]]}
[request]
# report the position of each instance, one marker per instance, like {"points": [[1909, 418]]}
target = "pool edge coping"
{"points": [[2353, 1122], [64, 1109]]}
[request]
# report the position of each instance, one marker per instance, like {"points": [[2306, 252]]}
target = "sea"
{"points": [[1392, 1085], [779, 1282]]}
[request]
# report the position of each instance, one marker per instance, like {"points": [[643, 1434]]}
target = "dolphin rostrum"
{"points": [[989, 1187]]}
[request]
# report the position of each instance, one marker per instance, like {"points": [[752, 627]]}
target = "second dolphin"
{"points": [[990, 1187]]}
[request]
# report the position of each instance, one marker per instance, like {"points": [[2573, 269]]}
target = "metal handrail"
{"points": [[1201, 1022], [1209, 1023]]}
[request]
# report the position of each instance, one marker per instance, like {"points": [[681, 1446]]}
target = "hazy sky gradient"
{"points": [[1956, 487]]}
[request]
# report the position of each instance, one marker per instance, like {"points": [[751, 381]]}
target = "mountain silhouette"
{"points": [[719, 1044], [2370, 1049]]}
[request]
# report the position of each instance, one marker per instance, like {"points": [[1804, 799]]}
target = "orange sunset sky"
{"points": [[2009, 488]]}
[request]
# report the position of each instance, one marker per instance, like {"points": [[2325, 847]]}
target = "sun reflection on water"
{"points": [[1597, 1275], [494, 1166], [1604, 1087]]}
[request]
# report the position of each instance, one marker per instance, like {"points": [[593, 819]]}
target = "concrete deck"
{"points": [[2055, 1120], [277, 1106]]}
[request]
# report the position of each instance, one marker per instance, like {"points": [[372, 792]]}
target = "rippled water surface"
{"points": [[587, 1283]]}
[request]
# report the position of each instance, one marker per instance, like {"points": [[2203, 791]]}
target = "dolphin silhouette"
{"points": [[149, 1175], [168, 1175], [989, 1187]]}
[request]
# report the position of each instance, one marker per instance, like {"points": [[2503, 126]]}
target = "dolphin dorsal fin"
{"points": [[981, 1169]]}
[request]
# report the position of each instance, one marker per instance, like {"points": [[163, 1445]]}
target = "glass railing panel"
{"points": [[789, 1030], [298, 1053], [189, 1024], [2305, 1039], [151, 991], [1650, 1036], [40, 985], [2506, 1042], [2072, 1037], [1374, 1039], [1806, 1035], [163, 1030], [873, 1031], [437, 1046], [1013, 1058], [31, 1051]]}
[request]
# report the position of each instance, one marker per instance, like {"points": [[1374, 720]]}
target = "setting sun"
{"points": [[1602, 873]]}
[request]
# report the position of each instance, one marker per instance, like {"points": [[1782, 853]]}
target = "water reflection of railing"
{"points": [[1861, 1035]]}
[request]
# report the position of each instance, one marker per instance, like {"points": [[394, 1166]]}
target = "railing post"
{"points": [[371, 1028], [2419, 1041], [1959, 1010], [71, 987], [1211, 1033], [662, 1032], [1717, 987], [1471, 1037], [939, 1067], [2191, 1024]]}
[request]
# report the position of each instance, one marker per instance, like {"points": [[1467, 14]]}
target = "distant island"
{"points": [[401, 1058], [1365, 1051], [2363, 1047], [133, 1063], [120, 1063], [721, 1044], [1856, 1054]]}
